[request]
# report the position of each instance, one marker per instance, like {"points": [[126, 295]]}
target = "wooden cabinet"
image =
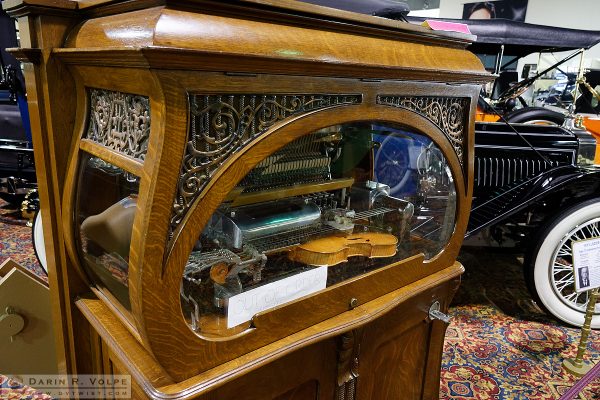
{"points": [[250, 199], [394, 352]]}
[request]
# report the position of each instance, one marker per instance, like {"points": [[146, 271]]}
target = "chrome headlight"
{"points": [[587, 147]]}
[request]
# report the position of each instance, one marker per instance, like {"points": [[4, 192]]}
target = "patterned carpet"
{"points": [[13, 390], [499, 346], [15, 239]]}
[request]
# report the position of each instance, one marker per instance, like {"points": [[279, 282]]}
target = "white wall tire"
{"points": [[549, 268], [37, 236]]}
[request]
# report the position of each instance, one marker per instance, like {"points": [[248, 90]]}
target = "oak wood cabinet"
{"points": [[249, 199]]}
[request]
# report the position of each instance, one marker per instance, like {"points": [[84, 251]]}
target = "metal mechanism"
{"points": [[251, 222], [435, 313], [288, 199], [223, 267], [447, 113], [11, 323], [583, 81], [223, 124], [119, 121]]}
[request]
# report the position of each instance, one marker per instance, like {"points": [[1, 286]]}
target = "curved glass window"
{"points": [[105, 208], [327, 207]]}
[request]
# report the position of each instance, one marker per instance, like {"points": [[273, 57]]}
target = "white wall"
{"points": [[452, 8], [577, 14]]}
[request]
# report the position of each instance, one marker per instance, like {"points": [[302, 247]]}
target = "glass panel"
{"points": [[332, 205], [556, 87], [105, 209]]}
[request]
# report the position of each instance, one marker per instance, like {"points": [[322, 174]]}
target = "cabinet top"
{"points": [[283, 9], [259, 36]]}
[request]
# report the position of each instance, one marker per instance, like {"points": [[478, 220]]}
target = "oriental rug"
{"points": [[13, 390], [15, 241], [500, 344]]}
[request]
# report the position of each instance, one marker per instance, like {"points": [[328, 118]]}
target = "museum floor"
{"points": [[498, 346]]}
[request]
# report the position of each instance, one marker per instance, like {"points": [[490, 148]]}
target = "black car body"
{"points": [[547, 165], [535, 185], [17, 171]]}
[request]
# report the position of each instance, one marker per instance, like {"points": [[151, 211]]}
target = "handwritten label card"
{"points": [[242, 307], [586, 263]]}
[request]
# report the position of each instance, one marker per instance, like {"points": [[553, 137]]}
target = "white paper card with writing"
{"points": [[586, 264], [242, 307]]}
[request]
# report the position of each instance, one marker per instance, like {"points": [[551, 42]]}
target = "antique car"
{"points": [[502, 43], [527, 166], [532, 161], [17, 172], [18, 181]]}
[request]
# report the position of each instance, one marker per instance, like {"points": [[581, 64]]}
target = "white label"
{"points": [[586, 263], [242, 307]]}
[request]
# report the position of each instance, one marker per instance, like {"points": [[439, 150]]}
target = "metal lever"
{"points": [[435, 313]]}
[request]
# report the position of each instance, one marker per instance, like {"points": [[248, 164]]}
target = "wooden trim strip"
{"points": [[21, 8], [197, 60], [32, 55], [122, 161], [121, 312]]}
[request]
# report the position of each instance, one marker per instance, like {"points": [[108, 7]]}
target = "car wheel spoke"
{"points": [[563, 280]]}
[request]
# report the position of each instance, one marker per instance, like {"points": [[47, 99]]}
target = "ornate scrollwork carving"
{"points": [[348, 352], [447, 113], [223, 124], [119, 121]]}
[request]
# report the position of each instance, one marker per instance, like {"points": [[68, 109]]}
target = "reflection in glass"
{"points": [[349, 198], [105, 209]]}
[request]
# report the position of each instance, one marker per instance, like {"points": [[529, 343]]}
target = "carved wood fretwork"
{"points": [[119, 121], [220, 125], [347, 366], [450, 114]]}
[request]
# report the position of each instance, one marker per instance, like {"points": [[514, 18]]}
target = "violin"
{"points": [[337, 249]]}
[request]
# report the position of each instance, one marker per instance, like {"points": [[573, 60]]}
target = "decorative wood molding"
{"points": [[32, 55], [119, 121], [126, 163], [21, 8], [450, 114], [347, 366], [221, 125]]}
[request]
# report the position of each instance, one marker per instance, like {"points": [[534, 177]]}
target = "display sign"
{"points": [[242, 307], [586, 264]]}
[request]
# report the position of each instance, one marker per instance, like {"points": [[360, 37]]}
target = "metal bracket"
{"points": [[435, 313], [11, 323]]}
